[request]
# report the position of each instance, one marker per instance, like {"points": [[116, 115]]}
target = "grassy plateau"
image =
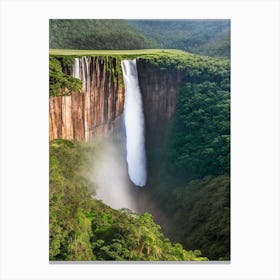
{"points": [[114, 52]]}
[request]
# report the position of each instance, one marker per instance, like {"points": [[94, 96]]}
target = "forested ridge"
{"points": [[96, 35], [204, 37]]}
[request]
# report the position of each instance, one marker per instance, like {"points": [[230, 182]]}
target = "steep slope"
{"points": [[84, 229]]}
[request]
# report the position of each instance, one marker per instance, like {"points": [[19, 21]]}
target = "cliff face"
{"points": [[159, 88], [95, 110]]}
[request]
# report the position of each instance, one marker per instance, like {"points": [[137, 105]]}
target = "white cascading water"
{"points": [[134, 125], [76, 68]]}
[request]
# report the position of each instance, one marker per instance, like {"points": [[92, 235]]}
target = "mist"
{"points": [[110, 177], [120, 160]]}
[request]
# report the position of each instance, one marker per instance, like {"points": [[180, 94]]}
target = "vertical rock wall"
{"points": [[159, 88], [95, 110]]}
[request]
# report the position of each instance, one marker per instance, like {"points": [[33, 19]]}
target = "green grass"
{"points": [[114, 52]]}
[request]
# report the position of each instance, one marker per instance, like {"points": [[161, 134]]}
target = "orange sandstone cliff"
{"points": [[98, 108]]}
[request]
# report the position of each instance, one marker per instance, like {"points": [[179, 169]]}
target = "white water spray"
{"points": [[134, 125], [76, 68], [110, 176]]}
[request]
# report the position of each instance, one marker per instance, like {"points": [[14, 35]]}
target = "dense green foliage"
{"points": [[193, 67], [96, 35], [201, 137], [204, 216], [59, 82], [198, 213], [198, 147], [69, 196], [83, 228], [204, 37]]}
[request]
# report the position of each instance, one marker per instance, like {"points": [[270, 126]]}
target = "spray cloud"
{"points": [[110, 176]]}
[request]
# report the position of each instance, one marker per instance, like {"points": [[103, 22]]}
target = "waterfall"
{"points": [[76, 68], [134, 125]]}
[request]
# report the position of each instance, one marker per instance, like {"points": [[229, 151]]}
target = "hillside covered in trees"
{"points": [[189, 173], [96, 35], [83, 228], [204, 37]]}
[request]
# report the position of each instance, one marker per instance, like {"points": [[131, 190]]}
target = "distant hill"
{"points": [[96, 35], [204, 37]]}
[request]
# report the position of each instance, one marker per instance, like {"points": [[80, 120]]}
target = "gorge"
{"points": [[104, 106], [172, 125]]}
